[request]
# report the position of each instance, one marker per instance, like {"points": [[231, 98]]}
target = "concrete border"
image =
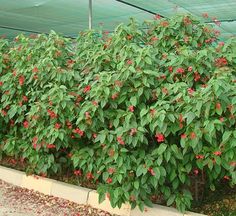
{"points": [[80, 195]]}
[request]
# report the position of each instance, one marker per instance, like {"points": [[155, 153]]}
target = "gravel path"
{"points": [[16, 201]]}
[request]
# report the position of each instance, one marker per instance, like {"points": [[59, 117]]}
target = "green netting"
{"points": [[66, 17], [216, 9], [71, 16]]}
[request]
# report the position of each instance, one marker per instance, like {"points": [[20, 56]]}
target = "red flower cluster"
{"points": [[78, 131], [200, 156], [52, 114], [221, 62], [160, 137], [180, 70], [120, 140], [78, 172]]}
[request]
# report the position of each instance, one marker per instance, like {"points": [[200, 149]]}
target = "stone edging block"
{"points": [[80, 195]]}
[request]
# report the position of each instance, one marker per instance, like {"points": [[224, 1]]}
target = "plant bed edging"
{"points": [[80, 195]]}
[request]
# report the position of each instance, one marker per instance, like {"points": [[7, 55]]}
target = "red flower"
{"points": [[157, 16], [35, 70], [89, 176], [111, 170], [221, 43], [78, 172], [160, 137], [87, 115], [221, 119], [181, 119], [170, 69], [133, 131], [51, 146], [129, 62], [190, 68], [200, 156], [226, 177], [1, 83], [220, 62], [70, 61], [196, 76], [164, 23], [187, 21], [129, 37], [192, 135], [217, 153], [164, 90], [109, 180], [114, 96], [218, 106], [95, 103], [57, 126], [195, 171], [94, 136], [131, 108], [180, 70], [4, 113], [154, 38], [151, 171], [68, 124], [183, 136], [52, 114], [78, 131], [120, 140], [152, 112], [25, 99], [21, 80], [190, 91], [87, 88], [26, 124]]}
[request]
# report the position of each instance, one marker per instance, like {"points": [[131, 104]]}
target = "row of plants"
{"points": [[141, 112]]}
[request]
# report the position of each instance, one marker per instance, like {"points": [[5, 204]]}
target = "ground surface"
{"points": [[15, 201]]}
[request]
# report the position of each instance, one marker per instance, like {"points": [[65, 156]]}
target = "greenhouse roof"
{"points": [[71, 16]]}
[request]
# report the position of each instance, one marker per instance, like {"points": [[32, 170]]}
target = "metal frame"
{"points": [[90, 18]]}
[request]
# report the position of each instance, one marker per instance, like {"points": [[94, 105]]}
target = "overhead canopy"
{"points": [[71, 16]]}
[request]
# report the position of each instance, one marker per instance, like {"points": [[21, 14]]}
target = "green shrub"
{"points": [[138, 111]]}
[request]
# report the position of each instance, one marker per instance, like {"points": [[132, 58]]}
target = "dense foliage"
{"points": [[140, 112]]}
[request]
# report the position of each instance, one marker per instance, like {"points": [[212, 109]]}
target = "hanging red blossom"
{"points": [[183, 136]]}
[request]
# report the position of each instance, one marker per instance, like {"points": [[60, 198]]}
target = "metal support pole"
{"points": [[90, 15]]}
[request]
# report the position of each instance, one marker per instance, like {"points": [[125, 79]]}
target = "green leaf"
{"points": [[171, 200], [133, 101]]}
